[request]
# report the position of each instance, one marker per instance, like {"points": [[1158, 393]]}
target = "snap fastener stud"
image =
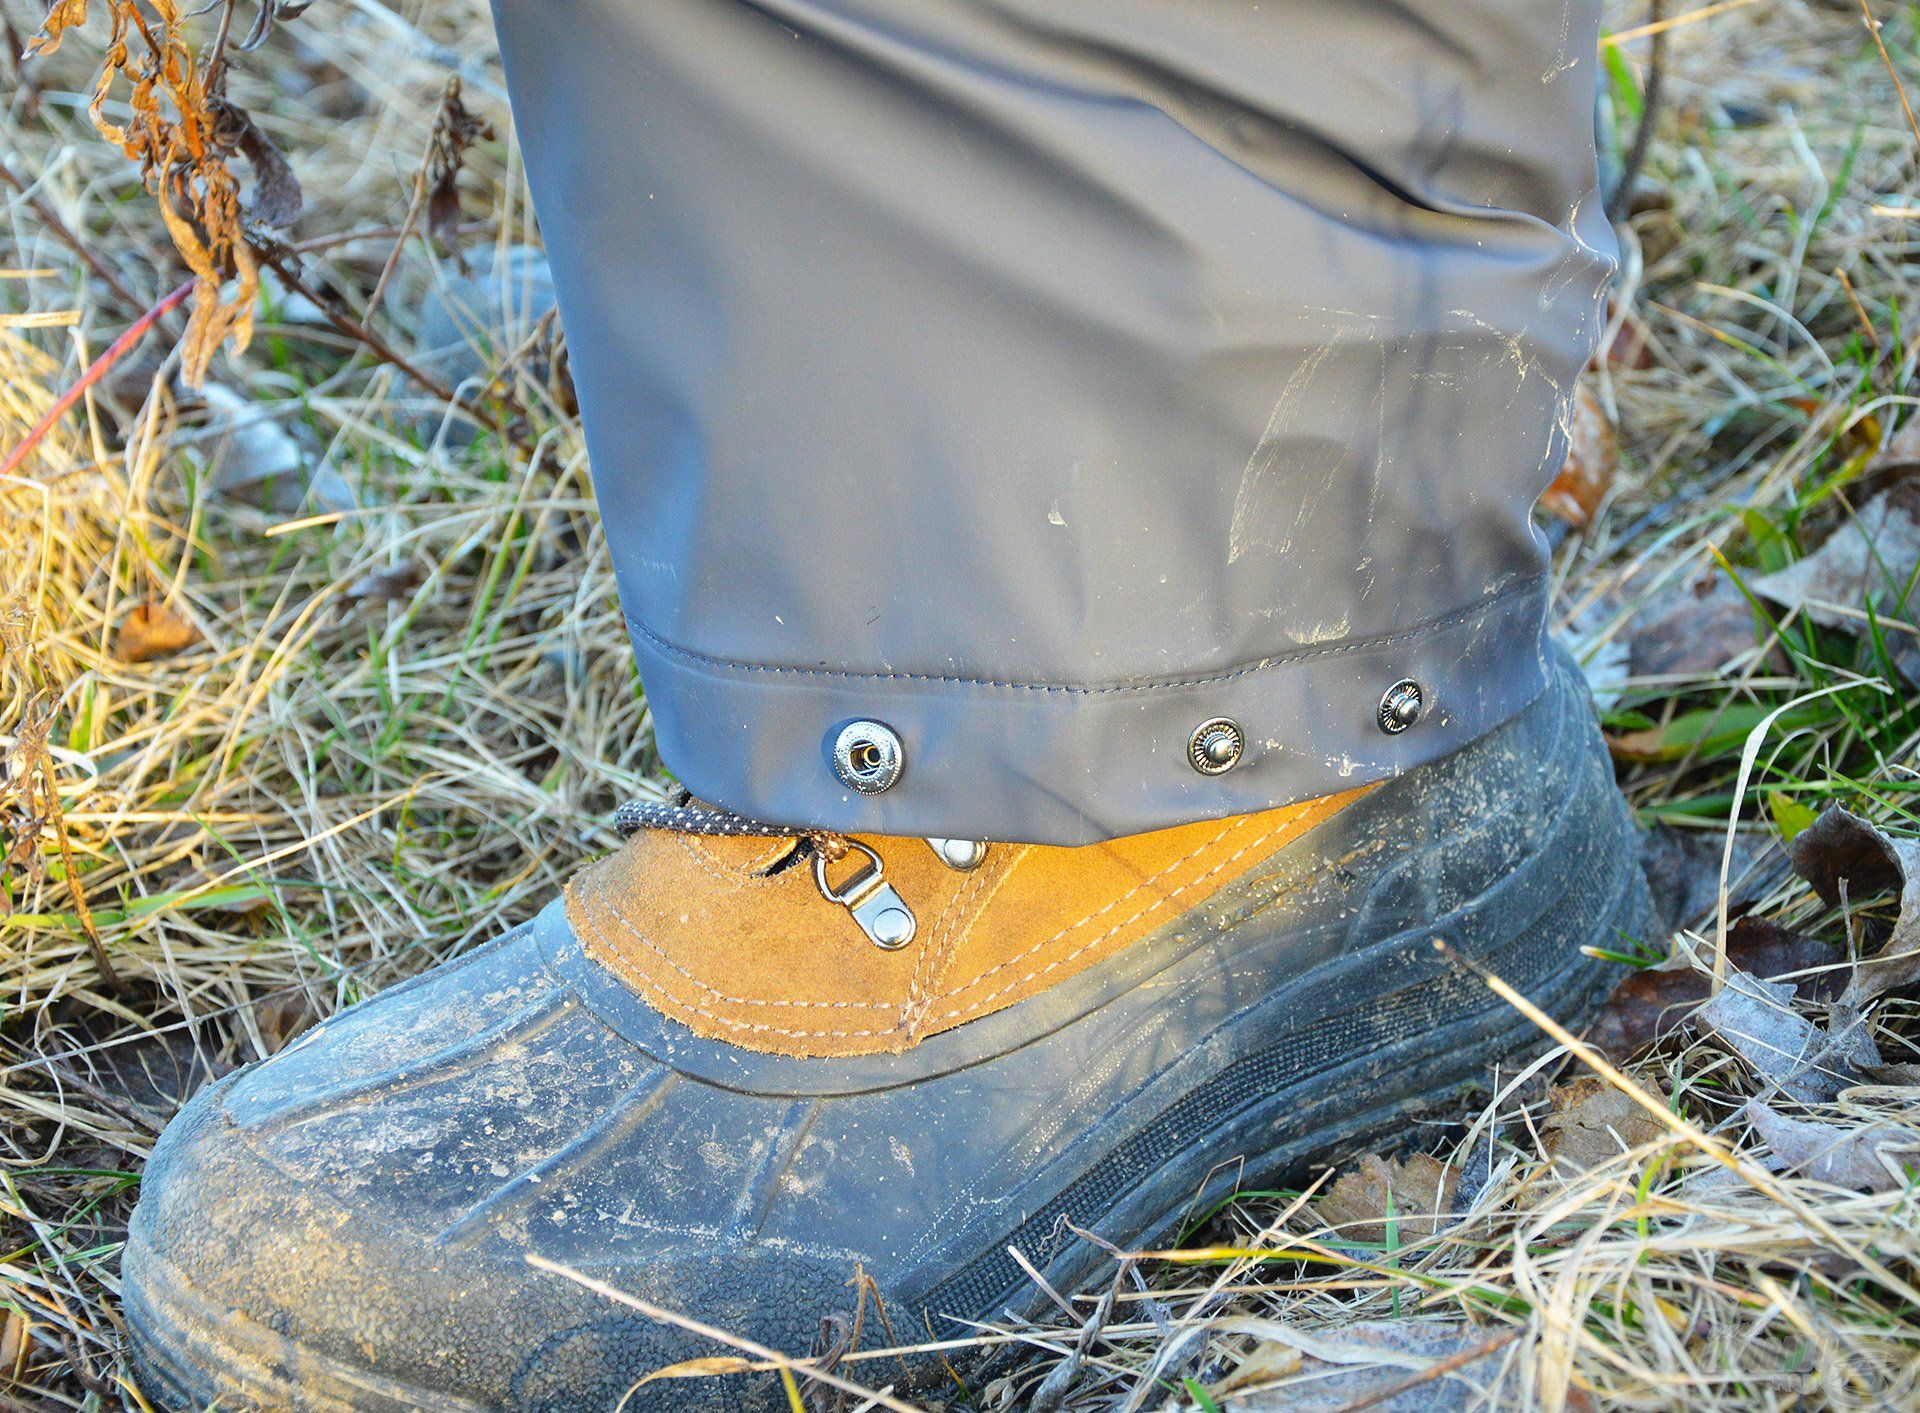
{"points": [[1215, 746], [960, 855], [868, 757], [1401, 706]]}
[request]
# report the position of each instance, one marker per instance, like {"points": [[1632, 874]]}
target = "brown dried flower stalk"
{"points": [[185, 134]]}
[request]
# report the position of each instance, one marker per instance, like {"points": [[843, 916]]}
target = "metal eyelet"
{"points": [[1401, 706], [875, 903], [1215, 746], [868, 757]]}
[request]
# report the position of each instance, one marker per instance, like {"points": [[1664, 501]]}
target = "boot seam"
{"points": [[1083, 948], [590, 920], [924, 997], [650, 979]]}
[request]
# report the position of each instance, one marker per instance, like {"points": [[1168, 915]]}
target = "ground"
{"points": [[312, 676]]}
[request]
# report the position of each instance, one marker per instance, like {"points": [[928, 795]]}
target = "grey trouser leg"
{"points": [[1046, 378]]}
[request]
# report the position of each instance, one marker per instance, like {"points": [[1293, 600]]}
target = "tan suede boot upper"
{"points": [[701, 929]]}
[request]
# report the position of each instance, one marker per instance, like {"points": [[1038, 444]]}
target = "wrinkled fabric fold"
{"points": [[1044, 379]]}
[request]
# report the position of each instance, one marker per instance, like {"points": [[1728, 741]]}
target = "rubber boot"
{"points": [[717, 1077]]}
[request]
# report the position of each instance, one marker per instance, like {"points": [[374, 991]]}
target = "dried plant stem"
{"points": [[760, 1351], [95, 371], [1873, 28], [1690, 17], [51, 783], [1620, 204], [277, 260]]}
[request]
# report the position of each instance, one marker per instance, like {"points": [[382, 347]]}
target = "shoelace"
{"points": [[682, 816], [865, 893]]}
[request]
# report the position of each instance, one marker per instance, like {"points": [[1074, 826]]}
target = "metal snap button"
{"points": [[868, 757], [1401, 706], [1215, 746], [961, 855]]}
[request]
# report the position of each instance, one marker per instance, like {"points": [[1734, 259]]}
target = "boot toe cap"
{"points": [[348, 1224]]}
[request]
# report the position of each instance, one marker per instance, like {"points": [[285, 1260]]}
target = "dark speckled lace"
{"points": [[680, 815], [875, 904]]}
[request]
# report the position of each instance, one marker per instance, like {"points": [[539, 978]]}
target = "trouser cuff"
{"points": [[1074, 764]]}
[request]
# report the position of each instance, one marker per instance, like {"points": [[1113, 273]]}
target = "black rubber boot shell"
{"points": [[347, 1225]]}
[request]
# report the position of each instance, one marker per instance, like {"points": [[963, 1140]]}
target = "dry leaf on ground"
{"points": [[392, 584], [1683, 871], [283, 1017], [1706, 625], [1631, 348], [1864, 1159], [1593, 1123], [14, 1343], [1871, 559], [1434, 1365], [1415, 1195], [1846, 859], [1263, 1364], [1655, 1002], [1901, 455], [1757, 1021], [260, 463], [1593, 455], [150, 631], [706, 1367]]}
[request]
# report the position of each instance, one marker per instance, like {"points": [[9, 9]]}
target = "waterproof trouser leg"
{"points": [[1043, 380]]}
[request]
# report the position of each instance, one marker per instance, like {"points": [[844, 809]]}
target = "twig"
{"points": [[327, 242], [1873, 28], [276, 258], [115, 351], [1622, 197], [51, 783]]}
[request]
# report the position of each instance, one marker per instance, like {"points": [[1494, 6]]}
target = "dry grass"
{"points": [[399, 725]]}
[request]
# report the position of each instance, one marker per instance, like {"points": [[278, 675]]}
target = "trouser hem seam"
{"points": [[1281, 659]]}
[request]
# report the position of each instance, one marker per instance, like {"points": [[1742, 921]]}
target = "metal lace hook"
{"points": [[875, 904]]}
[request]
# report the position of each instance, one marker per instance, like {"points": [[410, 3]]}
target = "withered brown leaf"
{"points": [[182, 134], [1593, 454], [455, 129], [150, 631], [1656, 1001], [1415, 1194], [277, 197], [1593, 1123], [1864, 1159], [1848, 859]]}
